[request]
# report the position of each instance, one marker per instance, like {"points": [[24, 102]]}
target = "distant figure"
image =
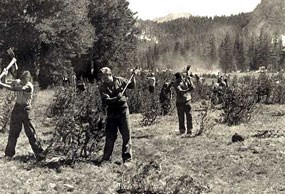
{"points": [[218, 89], [151, 82], [165, 98], [264, 86], [221, 81], [65, 81], [183, 88], [197, 78], [198, 84], [73, 80], [21, 116], [80, 85]]}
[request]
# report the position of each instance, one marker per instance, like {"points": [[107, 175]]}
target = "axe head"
{"points": [[135, 70], [188, 67]]}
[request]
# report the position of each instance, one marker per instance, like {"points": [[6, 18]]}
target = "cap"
{"points": [[105, 70]]}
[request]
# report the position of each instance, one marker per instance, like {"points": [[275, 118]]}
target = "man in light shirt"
{"points": [[21, 116], [151, 82]]}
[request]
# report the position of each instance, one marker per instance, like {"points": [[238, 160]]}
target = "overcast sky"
{"points": [[150, 9]]}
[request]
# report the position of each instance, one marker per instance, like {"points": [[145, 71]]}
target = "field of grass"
{"points": [[164, 162]]}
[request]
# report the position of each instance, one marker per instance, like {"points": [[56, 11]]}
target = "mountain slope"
{"points": [[268, 16], [172, 16]]}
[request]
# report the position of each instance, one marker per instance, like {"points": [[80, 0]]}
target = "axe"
{"points": [[187, 70], [13, 62], [133, 74]]}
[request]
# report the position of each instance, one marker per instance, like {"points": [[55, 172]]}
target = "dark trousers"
{"points": [[21, 116], [165, 107], [151, 89], [184, 109], [118, 121]]}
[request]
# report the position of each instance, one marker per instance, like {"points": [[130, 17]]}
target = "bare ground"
{"points": [[214, 164]]}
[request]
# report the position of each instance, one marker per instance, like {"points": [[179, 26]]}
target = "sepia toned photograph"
{"points": [[142, 96]]}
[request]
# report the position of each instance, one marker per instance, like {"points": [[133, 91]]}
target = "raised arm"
{"points": [[16, 88], [7, 86]]}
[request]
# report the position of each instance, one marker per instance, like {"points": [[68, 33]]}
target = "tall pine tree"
{"points": [[239, 54], [252, 54], [115, 41], [226, 55]]}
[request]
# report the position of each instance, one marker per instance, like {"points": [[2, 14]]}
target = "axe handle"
{"points": [[187, 73], [13, 61], [128, 83]]}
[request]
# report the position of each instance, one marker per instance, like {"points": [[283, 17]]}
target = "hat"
{"points": [[105, 70], [26, 74], [178, 75]]}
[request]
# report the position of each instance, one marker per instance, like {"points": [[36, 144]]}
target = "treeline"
{"points": [[52, 38], [209, 43], [242, 53]]}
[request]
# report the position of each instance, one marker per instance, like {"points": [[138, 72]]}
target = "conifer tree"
{"points": [[239, 53]]}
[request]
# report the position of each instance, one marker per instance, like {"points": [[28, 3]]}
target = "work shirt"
{"points": [[111, 90], [181, 95], [25, 97]]}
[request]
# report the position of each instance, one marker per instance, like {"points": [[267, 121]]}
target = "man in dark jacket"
{"points": [[183, 88], [111, 89]]}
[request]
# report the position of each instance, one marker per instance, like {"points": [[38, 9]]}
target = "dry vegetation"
{"points": [[164, 162]]}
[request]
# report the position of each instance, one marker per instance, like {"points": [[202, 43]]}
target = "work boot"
{"points": [[182, 131], [127, 160], [128, 163], [126, 157], [7, 158], [189, 132], [102, 161]]}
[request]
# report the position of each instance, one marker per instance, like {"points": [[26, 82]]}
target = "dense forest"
{"points": [[55, 38], [51, 38]]}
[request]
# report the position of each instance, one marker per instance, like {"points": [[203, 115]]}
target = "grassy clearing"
{"points": [[208, 164]]}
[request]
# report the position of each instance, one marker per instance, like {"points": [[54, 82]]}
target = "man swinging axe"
{"points": [[112, 90], [183, 88], [21, 113]]}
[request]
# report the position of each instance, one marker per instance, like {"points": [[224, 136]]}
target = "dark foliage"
{"points": [[80, 123]]}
